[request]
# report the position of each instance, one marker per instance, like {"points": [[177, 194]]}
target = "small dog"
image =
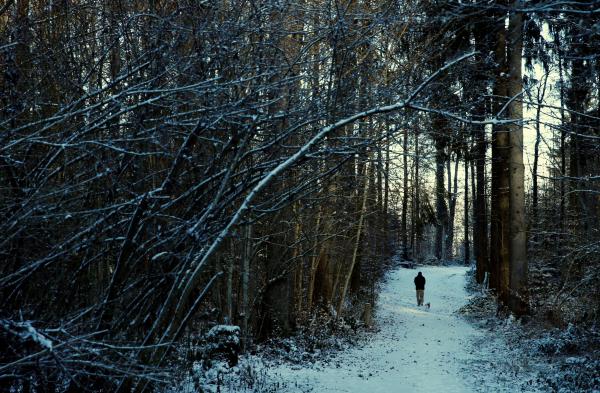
{"points": [[428, 305]]}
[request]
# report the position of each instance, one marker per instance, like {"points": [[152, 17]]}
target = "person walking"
{"points": [[420, 285]]}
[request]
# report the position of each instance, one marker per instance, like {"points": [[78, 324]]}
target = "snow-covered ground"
{"points": [[416, 349]]}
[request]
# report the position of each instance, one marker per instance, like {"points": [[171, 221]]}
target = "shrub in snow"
{"points": [[562, 343], [248, 376], [222, 343], [215, 359]]}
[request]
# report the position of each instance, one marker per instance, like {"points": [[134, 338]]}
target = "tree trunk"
{"points": [[500, 233], [229, 287], [405, 195], [297, 262], [440, 195], [314, 262], [518, 294], [563, 154], [478, 163], [453, 192], [480, 228], [578, 93], [466, 219], [417, 201], [278, 307], [386, 196], [473, 219], [246, 256], [359, 230]]}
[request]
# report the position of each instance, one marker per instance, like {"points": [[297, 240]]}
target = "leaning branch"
{"points": [[201, 259]]}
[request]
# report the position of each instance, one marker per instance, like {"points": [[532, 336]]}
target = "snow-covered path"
{"points": [[416, 349]]}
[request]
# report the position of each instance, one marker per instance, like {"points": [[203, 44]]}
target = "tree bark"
{"points": [[518, 291], [478, 163], [357, 239], [500, 233], [246, 256], [386, 196], [405, 195], [563, 154], [314, 263], [417, 201], [466, 219], [440, 195], [229, 285], [453, 192], [577, 94]]}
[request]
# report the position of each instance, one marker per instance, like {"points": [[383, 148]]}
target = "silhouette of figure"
{"points": [[420, 285]]}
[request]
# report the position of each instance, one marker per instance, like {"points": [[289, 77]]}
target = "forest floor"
{"points": [[456, 345], [418, 349]]}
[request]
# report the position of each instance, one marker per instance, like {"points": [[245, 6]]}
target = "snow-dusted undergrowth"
{"points": [[411, 349], [558, 359], [416, 349]]}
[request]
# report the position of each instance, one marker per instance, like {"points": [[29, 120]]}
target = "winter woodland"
{"points": [[187, 185]]}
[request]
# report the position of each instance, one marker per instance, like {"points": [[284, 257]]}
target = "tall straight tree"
{"points": [[467, 256], [518, 293], [441, 208], [480, 224], [417, 233], [405, 194], [452, 195], [499, 231]]}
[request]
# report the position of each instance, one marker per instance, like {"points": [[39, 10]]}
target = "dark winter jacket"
{"points": [[420, 282]]}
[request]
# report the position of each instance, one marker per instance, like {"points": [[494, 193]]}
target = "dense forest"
{"points": [[170, 166]]}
